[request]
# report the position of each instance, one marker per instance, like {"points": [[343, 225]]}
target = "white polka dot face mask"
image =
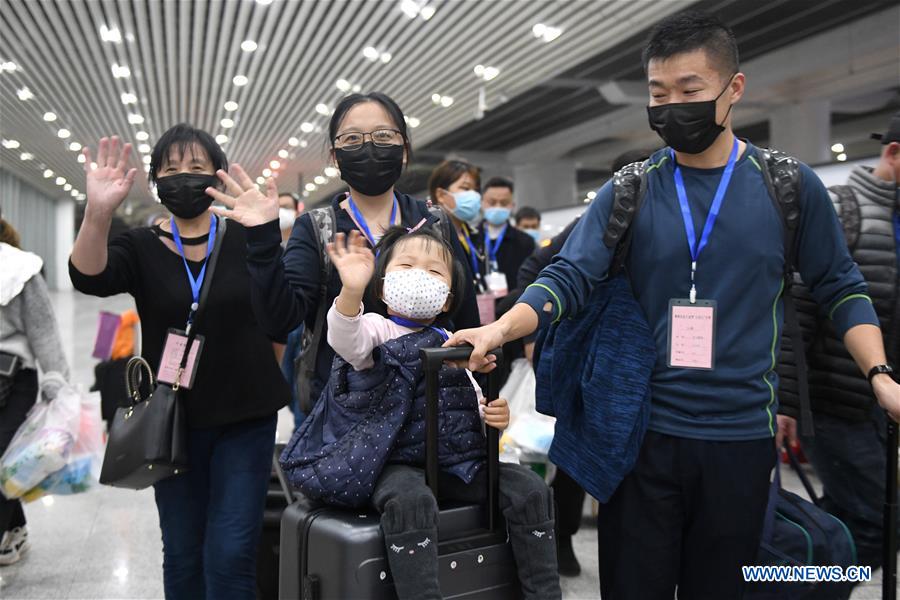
{"points": [[415, 294]]}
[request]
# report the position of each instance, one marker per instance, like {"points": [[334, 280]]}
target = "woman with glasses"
{"points": [[370, 146]]}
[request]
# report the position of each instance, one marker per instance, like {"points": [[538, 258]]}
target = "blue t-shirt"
{"points": [[741, 268]]}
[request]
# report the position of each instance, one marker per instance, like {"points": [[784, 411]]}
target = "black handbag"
{"points": [[148, 436]]}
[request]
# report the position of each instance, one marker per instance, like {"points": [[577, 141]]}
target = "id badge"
{"points": [[173, 351], [692, 334], [487, 311], [496, 282]]}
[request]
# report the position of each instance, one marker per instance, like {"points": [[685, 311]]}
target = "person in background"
{"points": [[211, 516], [528, 220], [29, 338], [289, 208], [848, 449], [504, 247]]}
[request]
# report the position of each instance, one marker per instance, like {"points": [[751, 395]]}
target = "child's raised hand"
{"points": [[496, 414], [353, 260]]}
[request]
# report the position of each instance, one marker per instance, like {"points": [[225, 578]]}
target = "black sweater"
{"points": [[238, 378], [285, 285]]}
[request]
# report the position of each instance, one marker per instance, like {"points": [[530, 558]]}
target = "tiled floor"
{"points": [[105, 544]]}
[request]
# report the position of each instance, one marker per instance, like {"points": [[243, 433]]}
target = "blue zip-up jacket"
{"points": [[741, 268]]}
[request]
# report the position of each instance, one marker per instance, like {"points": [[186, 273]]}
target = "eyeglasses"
{"points": [[380, 137]]}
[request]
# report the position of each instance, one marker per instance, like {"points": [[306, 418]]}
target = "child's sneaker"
{"points": [[13, 545]]}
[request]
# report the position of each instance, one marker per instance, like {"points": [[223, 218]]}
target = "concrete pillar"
{"points": [[545, 185], [64, 240], [802, 129]]}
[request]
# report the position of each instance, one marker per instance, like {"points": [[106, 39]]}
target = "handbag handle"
{"points": [[132, 378]]}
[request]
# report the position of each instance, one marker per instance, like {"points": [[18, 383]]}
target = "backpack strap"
{"points": [[629, 189], [849, 213], [323, 220], [781, 173], [442, 225]]}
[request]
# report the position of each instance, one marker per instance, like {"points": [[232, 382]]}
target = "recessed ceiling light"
{"points": [[546, 32], [264, 2], [410, 8], [343, 85], [282, 154], [436, 98], [74, 146], [304, 143], [260, 180], [320, 180], [306, 127], [142, 136], [386, 57], [839, 147], [144, 148], [310, 187], [842, 157], [146, 160], [49, 117], [67, 187], [81, 158], [371, 53], [60, 181], [64, 133], [323, 109], [240, 80], [93, 166], [226, 123], [129, 98], [275, 164], [120, 71], [357, 88], [591, 195], [305, 194], [248, 46], [135, 119], [48, 174], [80, 197], [24, 94], [8, 67], [331, 172], [11, 144], [427, 12], [293, 142], [110, 34], [26, 156], [446, 101], [221, 139], [231, 106], [267, 172], [74, 193], [414, 122]]}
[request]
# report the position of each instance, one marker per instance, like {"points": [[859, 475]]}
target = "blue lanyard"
{"points": [[473, 255], [413, 325], [361, 220], [196, 283], [492, 249], [696, 248]]}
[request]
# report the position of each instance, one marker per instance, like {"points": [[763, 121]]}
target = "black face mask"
{"points": [[688, 127], [370, 169], [185, 194]]}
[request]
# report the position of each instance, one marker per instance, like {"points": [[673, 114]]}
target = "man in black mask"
{"points": [[706, 265]]}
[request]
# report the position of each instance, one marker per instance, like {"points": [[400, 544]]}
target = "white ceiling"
{"points": [[183, 56]]}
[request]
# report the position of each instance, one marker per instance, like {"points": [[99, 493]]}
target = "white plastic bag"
{"points": [[42, 444], [529, 430], [519, 389], [82, 469]]}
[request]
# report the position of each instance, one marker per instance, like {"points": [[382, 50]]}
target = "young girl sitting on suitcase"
{"points": [[364, 442]]}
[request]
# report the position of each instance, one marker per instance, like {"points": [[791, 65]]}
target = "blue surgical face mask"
{"points": [[468, 204], [534, 233], [496, 215]]}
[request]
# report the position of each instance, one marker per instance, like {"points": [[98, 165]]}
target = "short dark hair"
{"points": [[499, 182], [527, 212], [388, 103], [385, 251], [293, 196], [691, 30], [183, 136], [628, 157], [449, 171]]}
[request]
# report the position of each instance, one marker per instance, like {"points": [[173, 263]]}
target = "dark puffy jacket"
{"points": [[366, 419]]}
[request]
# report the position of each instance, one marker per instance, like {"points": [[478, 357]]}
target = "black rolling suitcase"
{"points": [[278, 498], [336, 554]]}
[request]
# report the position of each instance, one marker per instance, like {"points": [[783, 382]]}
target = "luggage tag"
{"points": [[170, 363], [692, 334], [496, 283]]}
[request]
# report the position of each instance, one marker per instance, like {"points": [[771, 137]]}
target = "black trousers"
{"points": [[569, 497], [688, 516], [22, 398]]}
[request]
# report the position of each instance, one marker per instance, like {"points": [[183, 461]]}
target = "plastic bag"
{"points": [[42, 444], [82, 469], [519, 389], [528, 430]]}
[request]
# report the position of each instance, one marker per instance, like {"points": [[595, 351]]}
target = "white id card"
{"points": [[692, 334], [170, 362], [496, 282]]}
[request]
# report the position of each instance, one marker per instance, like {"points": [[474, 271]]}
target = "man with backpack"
{"points": [[689, 513], [848, 449]]}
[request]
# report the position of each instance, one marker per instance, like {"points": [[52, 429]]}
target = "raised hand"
{"points": [[246, 204], [353, 260], [110, 182]]}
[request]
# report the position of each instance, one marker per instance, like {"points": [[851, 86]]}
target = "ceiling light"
{"points": [[221, 139], [67, 187], [231, 106], [842, 157], [60, 181], [343, 85], [142, 136], [275, 164], [264, 2], [331, 172], [371, 53], [74, 146], [226, 123], [427, 12], [248, 46], [591, 195], [282, 154], [545, 32], [24, 94], [436, 98], [48, 174], [93, 166], [306, 127], [310, 187], [120, 71], [837, 147], [414, 122], [49, 117], [320, 180], [146, 160], [27, 156], [74, 193], [410, 8], [8, 66], [11, 144], [135, 119], [305, 194], [110, 35], [240, 80], [491, 73], [267, 172], [81, 158], [304, 143], [446, 101], [293, 142], [323, 109], [386, 57], [147, 168], [129, 98], [144, 148], [80, 197], [260, 180], [587, 200], [64, 133]]}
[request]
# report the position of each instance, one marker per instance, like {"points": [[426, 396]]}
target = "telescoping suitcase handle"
{"points": [[889, 589], [433, 359]]}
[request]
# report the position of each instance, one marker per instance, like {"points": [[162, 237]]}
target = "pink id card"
{"points": [[692, 334], [173, 351]]}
